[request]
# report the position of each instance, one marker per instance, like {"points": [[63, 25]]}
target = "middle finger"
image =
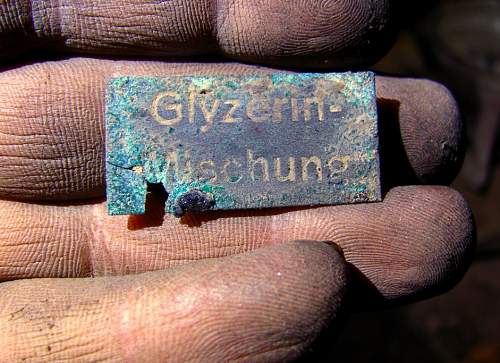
{"points": [[52, 126]]}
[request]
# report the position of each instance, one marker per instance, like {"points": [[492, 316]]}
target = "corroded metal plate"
{"points": [[240, 142]]}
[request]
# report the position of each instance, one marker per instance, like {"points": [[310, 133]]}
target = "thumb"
{"points": [[266, 305]]}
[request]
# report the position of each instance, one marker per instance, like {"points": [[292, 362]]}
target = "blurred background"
{"points": [[456, 43]]}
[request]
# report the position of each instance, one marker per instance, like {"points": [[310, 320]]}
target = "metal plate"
{"points": [[240, 142]]}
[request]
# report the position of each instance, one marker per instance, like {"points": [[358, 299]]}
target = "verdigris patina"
{"points": [[241, 142]]}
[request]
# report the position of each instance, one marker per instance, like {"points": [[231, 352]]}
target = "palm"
{"points": [[262, 297]]}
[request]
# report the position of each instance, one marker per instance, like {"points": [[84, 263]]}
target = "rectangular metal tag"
{"points": [[241, 142]]}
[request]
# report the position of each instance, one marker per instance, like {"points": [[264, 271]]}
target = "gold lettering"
{"points": [[295, 110], [174, 165], [291, 170], [338, 165], [207, 169], [235, 177], [229, 117], [253, 162], [188, 170], [308, 102], [305, 168], [192, 103], [177, 107], [209, 114], [264, 112], [278, 108]]}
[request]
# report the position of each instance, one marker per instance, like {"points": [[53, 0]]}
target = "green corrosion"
{"points": [[140, 142]]}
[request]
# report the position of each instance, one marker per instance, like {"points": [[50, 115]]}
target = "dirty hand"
{"points": [[78, 284]]}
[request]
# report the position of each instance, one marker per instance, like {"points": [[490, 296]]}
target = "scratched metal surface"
{"points": [[243, 141]]}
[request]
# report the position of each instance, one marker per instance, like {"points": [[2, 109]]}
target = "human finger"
{"points": [[345, 33], [52, 126], [418, 241], [189, 313]]}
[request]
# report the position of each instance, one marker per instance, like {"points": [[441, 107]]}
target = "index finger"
{"points": [[341, 33]]}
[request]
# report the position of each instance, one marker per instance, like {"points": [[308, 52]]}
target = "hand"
{"points": [[80, 285]]}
